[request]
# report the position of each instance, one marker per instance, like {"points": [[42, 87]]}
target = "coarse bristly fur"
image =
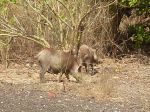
{"points": [[87, 57], [57, 61]]}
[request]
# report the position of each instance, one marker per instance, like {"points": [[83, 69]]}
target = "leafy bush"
{"points": [[141, 35], [141, 32]]}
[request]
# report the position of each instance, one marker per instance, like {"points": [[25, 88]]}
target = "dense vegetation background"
{"points": [[113, 27]]}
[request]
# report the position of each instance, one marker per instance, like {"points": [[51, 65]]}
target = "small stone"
{"points": [[41, 96], [34, 65], [59, 101], [44, 105], [27, 65]]}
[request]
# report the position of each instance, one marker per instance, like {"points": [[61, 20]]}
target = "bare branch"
{"points": [[50, 24], [59, 17], [83, 19], [20, 26], [67, 11], [7, 25]]}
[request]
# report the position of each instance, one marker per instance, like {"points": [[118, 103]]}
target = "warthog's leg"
{"points": [[92, 69], [43, 70], [86, 67], [80, 69], [60, 77], [67, 76]]}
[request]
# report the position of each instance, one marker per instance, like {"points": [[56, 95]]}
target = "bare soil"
{"points": [[120, 86]]}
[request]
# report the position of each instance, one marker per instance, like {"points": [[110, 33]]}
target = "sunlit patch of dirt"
{"points": [[97, 86], [119, 81]]}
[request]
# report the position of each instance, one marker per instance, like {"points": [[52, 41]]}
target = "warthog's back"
{"points": [[87, 57], [87, 53], [57, 61]]}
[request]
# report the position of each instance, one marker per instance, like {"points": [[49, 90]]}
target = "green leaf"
{"points": [[13, 1]]}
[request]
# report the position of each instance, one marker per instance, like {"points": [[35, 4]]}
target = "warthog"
{"points": [[87, 57], [57, 61]]}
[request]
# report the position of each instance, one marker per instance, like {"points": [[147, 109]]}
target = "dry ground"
{"points": [[125, 81]]}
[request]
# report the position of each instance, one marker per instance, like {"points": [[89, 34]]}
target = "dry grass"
{"points": [[123, 81], [98, 86]]}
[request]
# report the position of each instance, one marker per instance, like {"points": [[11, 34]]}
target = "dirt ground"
{"points": [[120, 86]]}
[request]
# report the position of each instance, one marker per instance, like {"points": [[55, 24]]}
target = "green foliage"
{"points": [[141, 5], [129, 2], [2, 2], [144, 6], [3, 5], [140, 36]]}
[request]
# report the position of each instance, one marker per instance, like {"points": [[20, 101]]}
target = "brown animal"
{"points": [[87, 57], [57, 61]]}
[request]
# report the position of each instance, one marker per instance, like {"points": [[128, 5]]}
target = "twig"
{"points": [[21, 27], [83, 18], [50, 24], [59, 17]]}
